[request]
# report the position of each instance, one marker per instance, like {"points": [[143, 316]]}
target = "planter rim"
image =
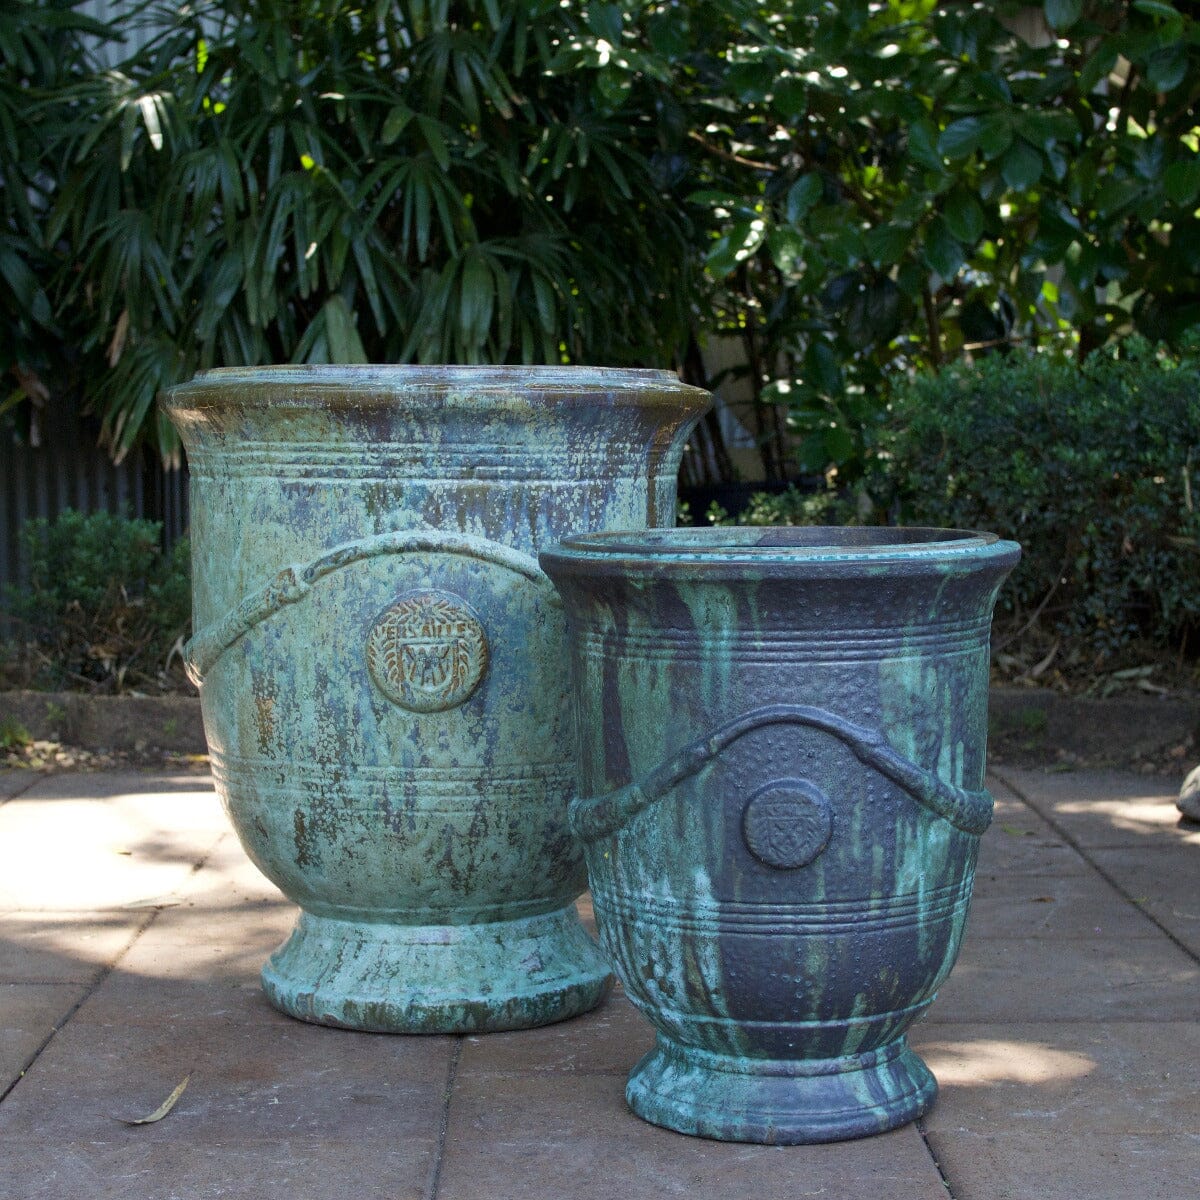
{"points": [[380, 386], [720, 548]]}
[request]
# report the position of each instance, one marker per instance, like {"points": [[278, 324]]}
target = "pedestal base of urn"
{"points": [[780, 1102], [437, 978]]}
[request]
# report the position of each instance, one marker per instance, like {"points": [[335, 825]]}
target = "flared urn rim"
{"points": [[775, 550], [381, 386]]}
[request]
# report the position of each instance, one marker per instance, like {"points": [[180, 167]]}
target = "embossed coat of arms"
{"points": [[428, 651]]}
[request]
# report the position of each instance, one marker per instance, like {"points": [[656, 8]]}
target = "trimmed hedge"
{"points": [[103, 607], [1094, 469]]}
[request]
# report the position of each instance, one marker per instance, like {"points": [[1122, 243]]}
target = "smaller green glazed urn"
{"points": [[381, 666], [781, 738]]}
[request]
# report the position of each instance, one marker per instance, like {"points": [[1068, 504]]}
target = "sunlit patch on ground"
{"points": [[988, 1061]]}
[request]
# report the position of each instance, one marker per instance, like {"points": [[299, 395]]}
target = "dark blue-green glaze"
{"points": [[782, 738], [381, 666]]}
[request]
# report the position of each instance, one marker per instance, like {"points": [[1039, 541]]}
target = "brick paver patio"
{"points": [[1067, 1042]]}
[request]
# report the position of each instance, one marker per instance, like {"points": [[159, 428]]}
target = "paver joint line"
{"points": [[20, 791], [921, 1129], [435, 1175], [1081, 850], [101, 976]]}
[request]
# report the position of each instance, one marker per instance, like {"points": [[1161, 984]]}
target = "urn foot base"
{"points": [[780, 1102], [437, 978]]}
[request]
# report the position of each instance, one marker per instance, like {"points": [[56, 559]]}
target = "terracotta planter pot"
{"points": [[380, 666], [782, 748]]}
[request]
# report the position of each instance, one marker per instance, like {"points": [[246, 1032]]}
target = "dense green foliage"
{"points": [[1096, 471], [872, 186], [853, 190], [103, 608], [896, 185], [44, 50], [271, 181]]}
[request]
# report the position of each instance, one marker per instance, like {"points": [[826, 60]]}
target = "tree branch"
{"points": [[933, 326], [728, 155]]}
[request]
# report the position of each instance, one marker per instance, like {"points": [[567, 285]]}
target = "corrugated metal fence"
{"points": [[62, 467], [68, 470]]}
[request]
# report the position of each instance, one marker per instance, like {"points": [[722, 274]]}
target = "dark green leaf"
{"points": [[1062, 14], [995, 135], [735, 247], [605, 21], [802, 195], [395, 123], [991, 86], [1167, 67], [1098, 68], [1115, 195], [942, 249], [1155, 8], [1048, 126], [923, 145], [1021, 166], [1181, 180], [791, 97], [873, 314], [887, 244], [786, 247], [822, 369], [837, 445], [476, 305], [431, 130], [964, 216], [960, 138], [1059, 163]]}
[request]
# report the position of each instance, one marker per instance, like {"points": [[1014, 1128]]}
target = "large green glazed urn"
{"points": [[782, 739], [382, 670]]}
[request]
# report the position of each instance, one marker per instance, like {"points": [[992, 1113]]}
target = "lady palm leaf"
{"points": [[406, 180]]}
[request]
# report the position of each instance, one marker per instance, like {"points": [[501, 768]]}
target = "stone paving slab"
{"points": [[1105, 808], [569, 1134], [64, 947], [14, 780], [1067, 1041], [1020, 842], [1080, 979], [66, 839], [1048, 1166], [1078, 1077], [1163, 883], [29, 1014], [252, 1079], [1052, 906], [607, 1041], [145, 1164]]}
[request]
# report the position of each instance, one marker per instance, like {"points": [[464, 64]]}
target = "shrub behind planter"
{"points": [[102, 607], [1094, 469]]}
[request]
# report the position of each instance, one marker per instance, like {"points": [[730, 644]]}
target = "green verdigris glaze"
{"points": [[382, 666], [782, 738]]}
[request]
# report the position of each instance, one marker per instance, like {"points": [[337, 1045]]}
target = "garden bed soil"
{"points": [[1041, 727], [104, 724]]}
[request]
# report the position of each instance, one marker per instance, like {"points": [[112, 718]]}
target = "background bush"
{"points": [[1092, 469], [104, 607], [336, 182], [891, 186], [851, 191]]}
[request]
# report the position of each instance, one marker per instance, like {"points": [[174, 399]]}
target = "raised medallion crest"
{"points": [[787, 823], [428, 651]]}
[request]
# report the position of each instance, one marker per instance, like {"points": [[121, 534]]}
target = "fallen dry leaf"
{"points": [[164, 1108]]}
